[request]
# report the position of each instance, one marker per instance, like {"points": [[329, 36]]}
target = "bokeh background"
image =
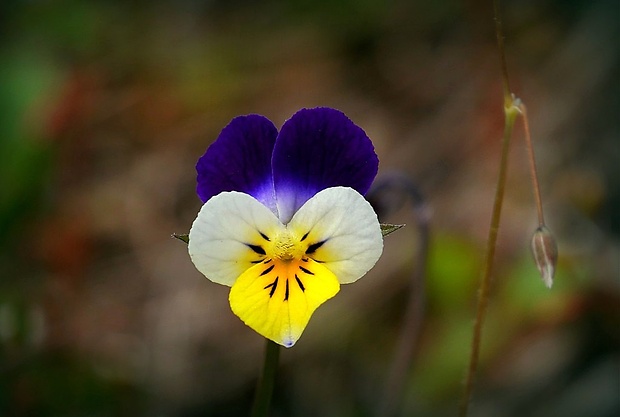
{"points": [[105, 107]]}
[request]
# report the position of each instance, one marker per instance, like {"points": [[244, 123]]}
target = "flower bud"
{"points": [[545, 252]]}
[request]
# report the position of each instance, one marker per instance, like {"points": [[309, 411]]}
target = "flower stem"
{"points": [[533, 171], [264, 390], [512, 110], [543, 243], [510, 114], [499, 35]]}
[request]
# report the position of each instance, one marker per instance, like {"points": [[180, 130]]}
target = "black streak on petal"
{"points": [[286, 291], [273, 286], [268, 270], [312, 248], [264, 236], [301, 285], [307, 271], [256, 248]]}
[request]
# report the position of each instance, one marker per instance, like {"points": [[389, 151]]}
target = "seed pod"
{"points": [[545, 251]]}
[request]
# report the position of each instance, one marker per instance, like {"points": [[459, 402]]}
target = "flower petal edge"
{"points": [[240, 160], [316, 149]]}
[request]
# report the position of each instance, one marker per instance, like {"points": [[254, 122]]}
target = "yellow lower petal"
{"points": [[276, 298]]}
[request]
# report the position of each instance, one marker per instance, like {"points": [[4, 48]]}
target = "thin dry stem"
{"points": [[511, 111], [511, 114], [499, 34], [533, 171], [513, 107]]}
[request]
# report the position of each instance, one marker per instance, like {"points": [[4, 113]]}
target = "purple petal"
{"points": [[240, 160], [317, 149]]}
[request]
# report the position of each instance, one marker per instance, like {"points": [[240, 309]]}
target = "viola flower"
{"points": [[284, 221]]}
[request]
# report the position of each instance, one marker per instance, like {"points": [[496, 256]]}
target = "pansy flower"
{"points": [[284, 220]]}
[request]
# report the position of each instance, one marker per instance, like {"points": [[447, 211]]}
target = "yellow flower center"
{"points": [[285, 247]]}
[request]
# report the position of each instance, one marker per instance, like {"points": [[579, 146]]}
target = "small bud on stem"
{"points": [[545, 252]]}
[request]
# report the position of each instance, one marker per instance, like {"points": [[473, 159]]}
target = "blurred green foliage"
{"points": [[25, 79]]}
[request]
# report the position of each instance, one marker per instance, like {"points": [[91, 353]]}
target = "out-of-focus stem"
{"points": [[511, 111], [513, 107], [499, 34], [264, 390], [414, 315], [510, 115], [533, 171]]}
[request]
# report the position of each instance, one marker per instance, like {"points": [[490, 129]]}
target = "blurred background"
{"points": [[106, 106]]}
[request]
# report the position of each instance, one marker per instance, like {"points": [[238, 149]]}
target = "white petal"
{"points": [[347, 224], [221, 234]]}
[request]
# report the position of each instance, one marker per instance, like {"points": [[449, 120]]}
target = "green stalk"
{"points": [[511, 112], [510, 115], [264, 390], [543, 245]]}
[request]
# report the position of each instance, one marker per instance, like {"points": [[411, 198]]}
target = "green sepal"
{"points": [[184, 238], [386, 228]]}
